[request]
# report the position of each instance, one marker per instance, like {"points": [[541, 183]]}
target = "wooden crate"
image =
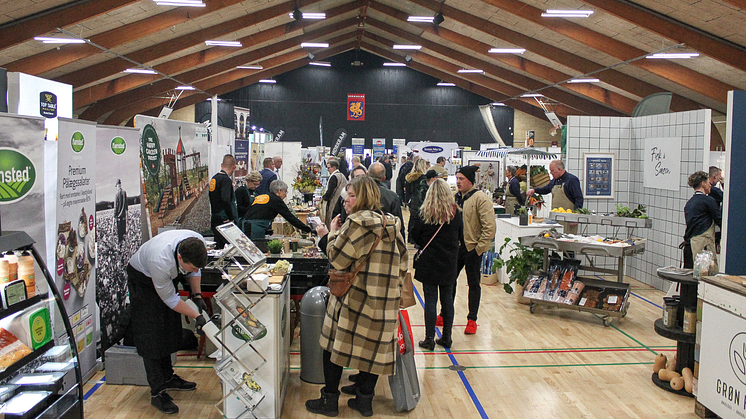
{"points": [[540, 180]]}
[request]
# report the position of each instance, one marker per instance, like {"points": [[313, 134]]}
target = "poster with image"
{"points": [[118, 223], [241, 154], [75, 252], [175, 174], [599, 175]]}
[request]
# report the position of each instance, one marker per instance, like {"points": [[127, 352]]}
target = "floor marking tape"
{"points": [[611, 364]]}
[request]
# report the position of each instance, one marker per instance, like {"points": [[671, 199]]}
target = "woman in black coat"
{"points": [[439, 219]]}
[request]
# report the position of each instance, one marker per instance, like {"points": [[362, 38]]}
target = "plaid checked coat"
{"points": [[359, 328]]}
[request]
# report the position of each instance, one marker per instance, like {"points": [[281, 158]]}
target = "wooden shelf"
{"points": [[674, 333], [665, 385]]}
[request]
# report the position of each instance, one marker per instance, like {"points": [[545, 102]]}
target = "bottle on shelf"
{"points": [[4, 271], [12, 265], [26, 273]]}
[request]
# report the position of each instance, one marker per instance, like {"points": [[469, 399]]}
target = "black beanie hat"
{"points": [[431, 174], [469, 172]]}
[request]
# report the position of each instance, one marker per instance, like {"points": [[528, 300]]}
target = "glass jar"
{"points": [[669, 315], [690, 319]]}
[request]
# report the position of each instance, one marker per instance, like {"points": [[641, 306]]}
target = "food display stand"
{"points": [[511, 228]]}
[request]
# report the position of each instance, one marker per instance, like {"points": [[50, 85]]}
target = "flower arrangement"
{"points": [[307, 179]]}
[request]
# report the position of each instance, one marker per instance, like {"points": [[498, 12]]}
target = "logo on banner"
{"points": [[340, 135], [151, 150], [432, 149], [17, 175], [48, 104], [77, 142], [118, 145], [737, 352], [356, 107]]}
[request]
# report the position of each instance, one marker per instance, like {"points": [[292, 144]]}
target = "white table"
{"points": [[511, 228]]}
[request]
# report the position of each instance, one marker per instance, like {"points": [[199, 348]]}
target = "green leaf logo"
{"points": [[118, 145], [77, 142], [17, 175]]}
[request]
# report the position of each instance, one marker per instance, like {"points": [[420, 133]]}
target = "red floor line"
{"points": [[545, 351]]}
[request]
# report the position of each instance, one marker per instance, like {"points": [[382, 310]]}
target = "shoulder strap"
{"points": [[372, 249], [431, 239]]}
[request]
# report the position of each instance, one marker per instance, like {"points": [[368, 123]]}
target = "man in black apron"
{"points": [[152, 275], [513, 196], [222, 199], [566, 192]]}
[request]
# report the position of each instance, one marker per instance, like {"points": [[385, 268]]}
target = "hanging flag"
{"points": [[355, 107]]}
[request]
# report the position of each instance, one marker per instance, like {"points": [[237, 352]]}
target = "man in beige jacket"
{"points": [[479, 232]]}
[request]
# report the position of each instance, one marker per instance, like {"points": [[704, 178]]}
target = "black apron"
{"points": [[156, 328]]}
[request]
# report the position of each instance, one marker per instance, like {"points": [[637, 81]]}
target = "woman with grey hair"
{"points": [[246, 193], [513, 195], [265, 208]]}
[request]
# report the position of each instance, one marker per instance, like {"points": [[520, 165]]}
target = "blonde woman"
{"points": [[438, 230], [360, 327]]}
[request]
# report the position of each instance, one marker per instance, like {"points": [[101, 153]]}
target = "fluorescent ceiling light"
{"points": [[51, 40], [310, 16], [140, 71], [507, 50], [532, 95], [223, 43], [587, 80], [425, 19], [250, 67], [465, 70], [181, 3], [320, 63], [394, 65], [267, 81], [498, 104], [314, 45], [445, 84], [407, 46], [185, 88], [567, 13], [209, 99], [669, 55]]}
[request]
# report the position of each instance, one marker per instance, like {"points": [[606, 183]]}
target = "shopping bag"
{"points": [[405, 386], [407, 292]]}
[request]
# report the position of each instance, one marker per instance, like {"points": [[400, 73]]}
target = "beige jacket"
{"points": [[479, 222]]}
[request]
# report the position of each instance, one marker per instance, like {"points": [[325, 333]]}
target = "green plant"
{"points": [[274, 246], [522, 211], [639, 212], [522, 261]]}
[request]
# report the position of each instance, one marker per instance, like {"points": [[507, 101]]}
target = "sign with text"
{"points": [[358, 146], [662, 163], [599, 175], [355, 107], [379, 147]]}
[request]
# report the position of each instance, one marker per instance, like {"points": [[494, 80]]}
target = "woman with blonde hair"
{"points": [[359, 329], [438, 230]]}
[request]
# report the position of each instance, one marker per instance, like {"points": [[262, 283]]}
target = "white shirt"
{"points": [[156, 259], [277, 172]]}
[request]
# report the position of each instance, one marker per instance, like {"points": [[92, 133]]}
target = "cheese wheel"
{"points": [[660, 362], [688, 377], [677, 383], [667, 375]]}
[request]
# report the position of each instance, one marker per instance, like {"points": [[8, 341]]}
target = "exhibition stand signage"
{"points": [[35, 96], [662, 167]]}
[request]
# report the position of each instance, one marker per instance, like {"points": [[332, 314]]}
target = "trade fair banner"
{"points": [[242, 158], [358, 146], [241, 123], [355, 107], [118, 223], [379, 147], [339, 138], [175, 173], [36, 96], [662, 163], [75, 252]]}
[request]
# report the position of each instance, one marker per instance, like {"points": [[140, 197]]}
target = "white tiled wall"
{"points": [[624, 137]]}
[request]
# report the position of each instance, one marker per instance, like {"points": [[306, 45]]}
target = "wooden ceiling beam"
{"points": [[89, 95], [613, 77], [24, 29], [593, 92], [741, 4], [690, 79], [111, 67], [100, 108], [580, 103], [226, 83]]}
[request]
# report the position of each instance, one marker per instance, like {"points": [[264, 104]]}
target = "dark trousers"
{"points": [[121, 228], [219, 239], [366, 381], [158, 371], [471, 261], [431, 308]]}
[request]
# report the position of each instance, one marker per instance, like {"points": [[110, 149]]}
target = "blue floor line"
{"points": [[461, 374], [94, 388], [632, 293]]}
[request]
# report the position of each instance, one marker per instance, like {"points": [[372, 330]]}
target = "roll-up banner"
{"points": [[118, 223], [75, 252], [3, 90]]}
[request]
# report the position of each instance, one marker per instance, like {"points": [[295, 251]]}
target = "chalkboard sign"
{"points": [[599, 175]]}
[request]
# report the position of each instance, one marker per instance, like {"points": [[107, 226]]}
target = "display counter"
{"points": [[511, 228], [720, 379]]}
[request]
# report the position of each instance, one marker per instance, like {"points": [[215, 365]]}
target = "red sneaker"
{"points": [[439, 321], [471, 328]]}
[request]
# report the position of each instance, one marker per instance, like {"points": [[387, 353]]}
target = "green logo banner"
{"points": [[118, 145], [151, 150], [17, 175], [77, 141]]}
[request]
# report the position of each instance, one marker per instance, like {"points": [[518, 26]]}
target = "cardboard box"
{"points": [[125, 367]]}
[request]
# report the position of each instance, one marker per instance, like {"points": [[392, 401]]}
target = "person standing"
{"points": [[222, 199], [334, 188], [390, 203], [702, 214], [277, 163], [367, 160], [566, 192], [479, 232], [513, 195], [120, 211], [401, 181], [440, 168], [716, 176], [266, 207], [359, 330], [268, 175], [438, 230], [389, 171], [155, 306], [417, 187]]}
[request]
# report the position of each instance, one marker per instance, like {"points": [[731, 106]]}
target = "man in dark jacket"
{"points": [[268, 175], [389, 200], [222, 199], [389, 171], [401, 182]]}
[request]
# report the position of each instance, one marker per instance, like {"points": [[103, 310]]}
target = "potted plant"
{"points": [[522, 216], [275, 246], [522, 261]]}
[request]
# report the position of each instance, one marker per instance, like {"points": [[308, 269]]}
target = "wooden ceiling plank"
{"points": [[23, 29]]}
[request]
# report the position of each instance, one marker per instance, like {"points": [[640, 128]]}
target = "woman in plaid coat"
{"points": [[360, 328]]}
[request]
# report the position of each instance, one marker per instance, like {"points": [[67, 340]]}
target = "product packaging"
{"points": [[33, 327]]}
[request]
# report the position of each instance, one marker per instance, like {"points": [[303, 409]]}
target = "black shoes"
{"points": [[445, 341], [363, 403], [428, 344], [327, 405], [177, 383], [163, 402]]}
